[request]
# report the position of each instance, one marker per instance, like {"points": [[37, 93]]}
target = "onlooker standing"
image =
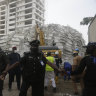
{"points": [[13, 58]]}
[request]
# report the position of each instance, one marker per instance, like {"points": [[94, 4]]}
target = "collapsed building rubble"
{"points": [[65, 37]]}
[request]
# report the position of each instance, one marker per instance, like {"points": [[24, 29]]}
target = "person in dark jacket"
{"points": [[58, 61], [33, 64], [68, 69], [3, 63], [13, 58], [88, 63]]}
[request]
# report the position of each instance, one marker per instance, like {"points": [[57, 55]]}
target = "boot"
{"points": [[54, 89], [56, 79]]}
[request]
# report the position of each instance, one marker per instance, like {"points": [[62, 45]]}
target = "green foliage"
{"points": [[86, 20]]}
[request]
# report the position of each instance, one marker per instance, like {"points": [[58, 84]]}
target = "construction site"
{"points": [[53, 45], [22, 21], [64, 37]]}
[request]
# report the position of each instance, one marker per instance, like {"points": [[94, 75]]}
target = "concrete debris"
{"points": [[65, 37]]}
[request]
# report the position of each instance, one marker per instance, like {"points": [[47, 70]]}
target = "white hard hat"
{"points": [[56, 52]]}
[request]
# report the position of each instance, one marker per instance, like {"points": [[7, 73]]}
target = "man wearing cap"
{"points": [[88, 63], [76, 62], [13, 58], [33, 64]]}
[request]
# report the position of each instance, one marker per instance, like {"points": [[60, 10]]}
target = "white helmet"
{"points": [[56, 52]]}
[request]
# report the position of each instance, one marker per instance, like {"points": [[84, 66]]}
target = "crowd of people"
{"points": [[38, 71]]}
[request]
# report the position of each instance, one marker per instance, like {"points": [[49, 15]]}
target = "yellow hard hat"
{"points": [[75, 52]]}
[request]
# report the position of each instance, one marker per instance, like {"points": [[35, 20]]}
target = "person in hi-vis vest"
{"points": [[49, 74]]}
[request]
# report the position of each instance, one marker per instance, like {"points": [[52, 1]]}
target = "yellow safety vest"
{"points": [[51, 59]]}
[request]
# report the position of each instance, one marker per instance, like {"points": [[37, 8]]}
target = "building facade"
{"points": [[92, 30], [20, 14]]}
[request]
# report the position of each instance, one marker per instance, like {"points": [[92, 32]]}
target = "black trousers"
{"points": [[1, 87], [89, 91], [11, 79], [37, 88], [57, 73]]}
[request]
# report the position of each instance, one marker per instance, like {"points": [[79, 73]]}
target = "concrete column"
{"points": [[33, 12], [7, 16]]}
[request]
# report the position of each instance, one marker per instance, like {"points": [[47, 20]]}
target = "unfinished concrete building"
{"points": [[20, 14], [92, 30]]}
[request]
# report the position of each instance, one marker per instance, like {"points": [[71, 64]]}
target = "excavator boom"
{"points": [[41, 35], [45, 49]]}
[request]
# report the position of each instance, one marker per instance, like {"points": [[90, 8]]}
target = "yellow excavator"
{"points": [[45, 49]]}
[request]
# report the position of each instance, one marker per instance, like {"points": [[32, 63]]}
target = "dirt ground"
{"points": [[64, 88]]}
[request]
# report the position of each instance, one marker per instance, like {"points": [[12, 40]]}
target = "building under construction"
{"points": [[16, 15]]}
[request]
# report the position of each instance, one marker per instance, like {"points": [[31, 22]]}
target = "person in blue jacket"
{"points": [[68, 69]]}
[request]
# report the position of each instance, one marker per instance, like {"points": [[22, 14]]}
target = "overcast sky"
{"points": [[70, 12]]}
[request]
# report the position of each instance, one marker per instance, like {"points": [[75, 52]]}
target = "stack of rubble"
{"points": [[65, 37]]}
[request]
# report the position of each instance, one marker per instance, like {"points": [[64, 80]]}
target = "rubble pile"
{"points": [[65, 37]]}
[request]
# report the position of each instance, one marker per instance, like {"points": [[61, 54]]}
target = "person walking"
{"points": [[49, 74], [13, 58], [88, 63], [33, 74], [4, 63]]}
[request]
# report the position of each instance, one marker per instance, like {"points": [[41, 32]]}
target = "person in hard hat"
{"points": [[33, 72], [13, 58], [88, 63], [77, 50], [49, 74], [76, 79], [58, 61]]}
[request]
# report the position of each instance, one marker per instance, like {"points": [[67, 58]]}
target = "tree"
{"points": [[86, 20]]}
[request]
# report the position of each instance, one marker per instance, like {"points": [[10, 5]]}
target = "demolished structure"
{"points": [[65, 37]]}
